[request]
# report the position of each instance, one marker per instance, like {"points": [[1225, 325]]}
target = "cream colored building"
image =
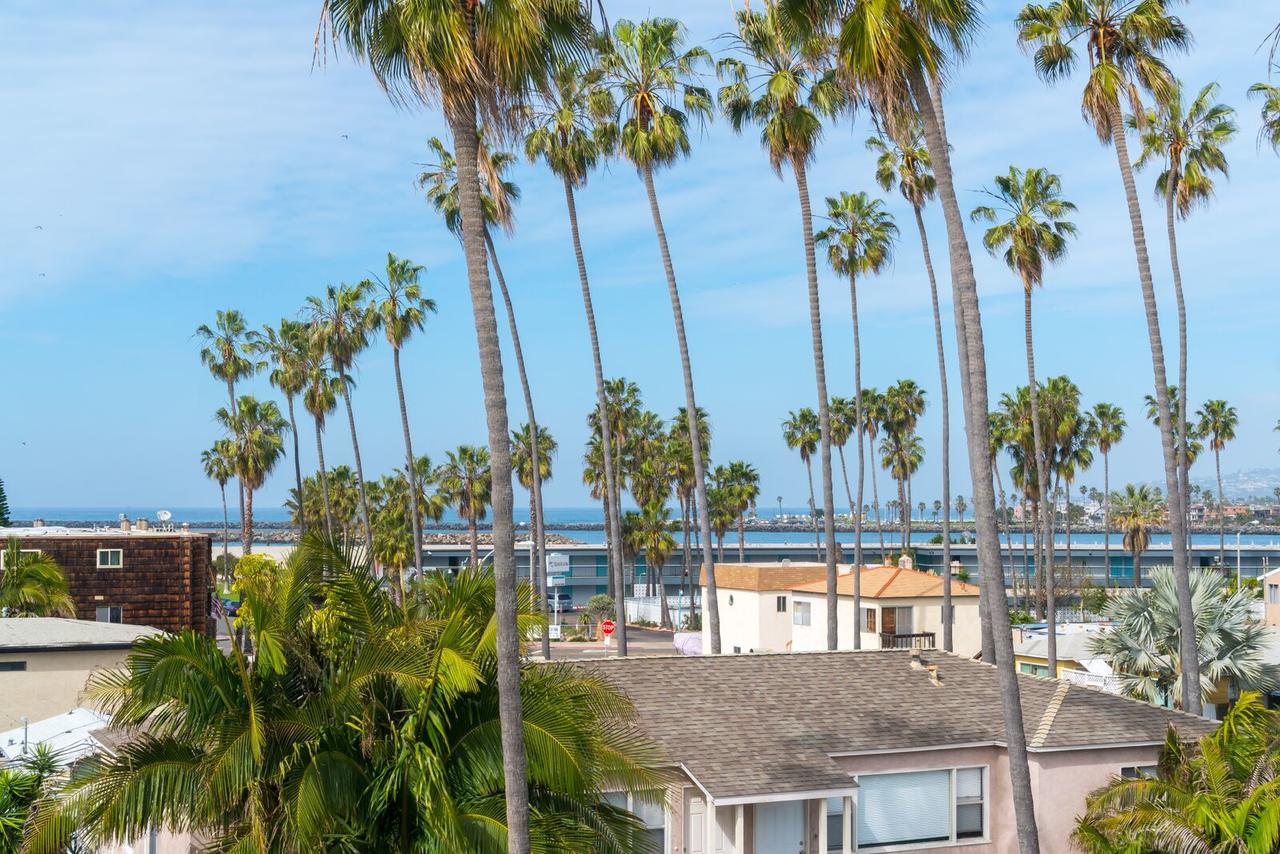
{"points": [[782, 607], [46, 661]]}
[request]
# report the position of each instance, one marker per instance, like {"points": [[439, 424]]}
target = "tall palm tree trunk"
{"points": [[862, 462], [474, 530], [742, 539], [1184, 470], [824, 408], [688, 553], [462, 121], [614, 580], [226, 534], [613, 529], [297, 464], [1008, 534], [246, 524], [537, 567], [695, 440], [813, 508], [1137, 569], [355, 449], [947, 632], [1042, 477], [410, 470], [324, 480], [974, 387], [875, 496], [1177, 526], [1222, 531], [1106, 512], [235, 411]]}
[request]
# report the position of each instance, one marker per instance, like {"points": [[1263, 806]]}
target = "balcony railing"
{"points": [[919, 640]]}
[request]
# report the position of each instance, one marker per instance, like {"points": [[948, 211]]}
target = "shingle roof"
{"points": [[765, 576], [892, 582], [39, 633], [748, 725]]}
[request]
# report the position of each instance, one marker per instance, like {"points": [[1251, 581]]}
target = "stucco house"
{"points": [[782, 607], [870, 751]]}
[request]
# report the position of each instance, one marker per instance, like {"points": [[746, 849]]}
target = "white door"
{"points": [[780, 828], [695, 823]]}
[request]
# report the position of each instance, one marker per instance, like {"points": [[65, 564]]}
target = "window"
{"points": [[109, 614], [782, 604], [895, 621], [737, 650], [4, 553], [1139, 772], [919, 807], [1273, 594], [602, 588], [602, 566], [652, 815], [110, 558], [12, 666], [1033, 669], [869, 620], [802, 614], [835, 825]]}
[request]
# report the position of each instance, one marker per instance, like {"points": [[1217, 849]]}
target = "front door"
{"points": [[695, 823], [780, 827]]}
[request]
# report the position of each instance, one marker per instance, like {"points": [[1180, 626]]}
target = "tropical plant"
{"points": [[1138, 509], [1143, 647], [653, 78], [901, 449], [1217, 423], [219, 465], [1109, 421], [779, 78], [1124, 44], [571, 129], [285, 351], [523, 457], [801, 433], [680, 468], [873, 415], [649, 531], [400, 309], [1269, 132], [256, 430], [1221, 794], [340, 324], [4, 506], [32, 584], [357, 726], [22, 784], [466, 481], [1028, 221]]}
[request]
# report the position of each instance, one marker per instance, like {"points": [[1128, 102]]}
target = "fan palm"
{"points": [[859, 240], [358, 726], [220, 466], [903, 406], [1029, 223], [466, 480], [33, 585], [320, 398], [401, 309], [1217, 423], [340, 324], [285, 350], [1109, 421], [1138, 510], [778, 78], [1124, 44], [1269, 93], [650, 532], [1187, 141], [653, 79], [843, 428], [801, 433], [571, 129], [680, 467], [743, 483], [257, 432]]}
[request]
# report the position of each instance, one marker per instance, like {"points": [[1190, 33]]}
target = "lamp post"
{"points": [[1240, 531]]}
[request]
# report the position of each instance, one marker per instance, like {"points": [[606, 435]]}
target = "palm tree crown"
{"points": [[903, 159], [1188, 141], [1028, 221], [570, 123], [226, 351], [33, 585], [400, 308], [861, 235]]}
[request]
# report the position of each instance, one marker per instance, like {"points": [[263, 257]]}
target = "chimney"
{"points": [[186, 527], [935, 675], [125, 525], [142, 524], [904, 561], [37, 523], [916, 663]]}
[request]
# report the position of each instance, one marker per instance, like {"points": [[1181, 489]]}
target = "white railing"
{"points": [[1108, 683]]}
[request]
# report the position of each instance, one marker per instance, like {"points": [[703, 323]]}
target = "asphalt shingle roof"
{"points": [[747, 725]]}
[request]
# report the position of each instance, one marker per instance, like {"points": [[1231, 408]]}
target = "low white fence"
{"points": [[650, 608]]}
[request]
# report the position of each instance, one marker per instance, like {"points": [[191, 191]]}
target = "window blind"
{"points": [[900, 808]]}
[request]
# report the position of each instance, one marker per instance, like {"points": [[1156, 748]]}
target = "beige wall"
{"points": [[752, 623], [926, 616], [51, 684]]}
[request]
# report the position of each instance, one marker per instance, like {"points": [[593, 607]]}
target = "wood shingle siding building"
{"points": [[156, 578]]}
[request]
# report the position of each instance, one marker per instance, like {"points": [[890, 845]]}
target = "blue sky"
{"points": [[164, 161]]}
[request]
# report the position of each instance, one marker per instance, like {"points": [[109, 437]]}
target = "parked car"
{"points": [[565, 600], [231, 606]]}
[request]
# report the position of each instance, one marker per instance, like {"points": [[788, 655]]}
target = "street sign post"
{"points": [[606, 629]]}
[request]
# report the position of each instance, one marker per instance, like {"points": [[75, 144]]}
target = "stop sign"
{"points": [[607, 626]]}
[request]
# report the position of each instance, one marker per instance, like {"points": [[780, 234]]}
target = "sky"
{"points": [[164, 161]]}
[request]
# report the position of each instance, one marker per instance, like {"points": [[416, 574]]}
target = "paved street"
{"points": [[639, 642]]}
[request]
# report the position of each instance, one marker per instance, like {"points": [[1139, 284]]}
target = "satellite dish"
{"points": [[164, 515]]}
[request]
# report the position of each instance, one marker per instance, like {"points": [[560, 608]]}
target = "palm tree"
{"points": [[843, 428], [859, 240], [873, 416], [401, 309], [1269, 132], [1029, 223], [1138, 510], [571, 130], [320, 398], [1144, 650], [648, 69], [33, 585], [1188, 142], [466, 480], [257, 432], [681, 470], [1109, 421], [226, 354], [902, 158], [523, 455], [498, 197], [1221, 794], [903, 406], [1123, 44], [340, 324], [778, 78], [801, 433], [473, 60], [285, 349], [650, 532], [743, 483], [1217, 423], [219, 465], [262, 756]]}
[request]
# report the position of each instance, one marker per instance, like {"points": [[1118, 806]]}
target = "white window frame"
{"points": [[666, 817], [954, 842], [4, 553], [781, 604], [802, 614], [1139, 772], [108, 609], [101, 565]]}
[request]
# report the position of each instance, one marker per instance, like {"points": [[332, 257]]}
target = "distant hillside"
{"points": [[1246, 483]]}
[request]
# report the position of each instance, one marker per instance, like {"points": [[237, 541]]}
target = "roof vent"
{"points": [[142, 523], [916, 663], [935, 675]]}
